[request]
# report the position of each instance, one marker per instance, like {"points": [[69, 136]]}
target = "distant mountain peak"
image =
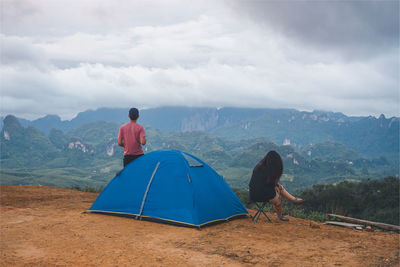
{"points": [[11, 124]]}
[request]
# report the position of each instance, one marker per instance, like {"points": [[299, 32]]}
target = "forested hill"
{"points": [[371, 137], [89, 156]]}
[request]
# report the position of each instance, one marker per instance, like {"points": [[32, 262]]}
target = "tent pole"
{"points": [[147, 190]]}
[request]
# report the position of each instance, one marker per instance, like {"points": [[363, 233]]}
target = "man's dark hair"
{"points": [[133, 114]]}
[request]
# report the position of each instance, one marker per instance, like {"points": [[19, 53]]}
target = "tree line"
{"points": [[374, 200]]}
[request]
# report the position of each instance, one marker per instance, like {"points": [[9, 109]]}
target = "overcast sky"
{"points": [[63, 56]]}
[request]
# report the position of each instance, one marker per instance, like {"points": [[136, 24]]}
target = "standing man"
{"points": [[131, 137]]}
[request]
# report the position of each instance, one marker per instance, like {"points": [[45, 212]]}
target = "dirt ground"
{"points": [[45, 226]]}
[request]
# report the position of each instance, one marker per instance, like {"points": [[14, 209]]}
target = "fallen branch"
{"points": [[347, 225], [385, 226]]}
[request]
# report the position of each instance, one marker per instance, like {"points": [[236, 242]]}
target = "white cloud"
{"points": [[179, 56]]}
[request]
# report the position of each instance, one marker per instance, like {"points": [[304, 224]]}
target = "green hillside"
{"points": [[370, 137], [89, 156]]}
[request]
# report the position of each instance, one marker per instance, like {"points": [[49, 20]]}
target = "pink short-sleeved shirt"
{"points": [[131, 133]]}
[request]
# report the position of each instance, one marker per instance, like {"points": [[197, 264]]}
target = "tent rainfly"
{"points": [[173, 187]]}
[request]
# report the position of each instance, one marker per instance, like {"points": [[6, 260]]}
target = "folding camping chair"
{"points": [[260, 209]]}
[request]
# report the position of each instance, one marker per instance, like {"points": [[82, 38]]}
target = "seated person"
{"points": [[264, 185]]}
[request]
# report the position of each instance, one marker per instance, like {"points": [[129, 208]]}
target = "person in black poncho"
{"points": [[264, 183]]}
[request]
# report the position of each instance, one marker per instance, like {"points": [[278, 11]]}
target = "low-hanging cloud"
{"points": [[353, 28], [208, 56]]}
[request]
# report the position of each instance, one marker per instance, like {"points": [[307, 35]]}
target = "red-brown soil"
{"points": [[42, 226]]}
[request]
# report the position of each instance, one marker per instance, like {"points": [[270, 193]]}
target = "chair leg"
{"points": [[258, 216], [260, 209], [267, 216], [253, 218]]}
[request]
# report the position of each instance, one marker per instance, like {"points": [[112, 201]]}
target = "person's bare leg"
{"points": [[278, 209], [277, 202], [287, 195]]}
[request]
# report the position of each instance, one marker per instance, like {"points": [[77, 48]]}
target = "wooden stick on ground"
{"points": [[347, 225], [365, 222]]}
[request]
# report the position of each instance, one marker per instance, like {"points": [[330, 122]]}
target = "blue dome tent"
{"points": [[173, 187]]}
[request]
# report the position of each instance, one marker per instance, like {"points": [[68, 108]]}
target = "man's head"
{"points": [[133, 114]]}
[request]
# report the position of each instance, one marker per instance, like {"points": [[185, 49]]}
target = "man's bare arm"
{"points": [[143, 140], [120, 142]]}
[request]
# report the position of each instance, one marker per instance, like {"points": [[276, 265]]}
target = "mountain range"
{"points": [[316, 147], [370, 136]]}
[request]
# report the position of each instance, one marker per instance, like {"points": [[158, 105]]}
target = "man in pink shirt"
{"points": [[131, 137]]}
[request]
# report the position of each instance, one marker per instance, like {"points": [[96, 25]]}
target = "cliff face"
{"points": [[200, 122], [11, 125]]}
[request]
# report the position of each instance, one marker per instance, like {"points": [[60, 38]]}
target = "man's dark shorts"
{"points": [[129, 158]]}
